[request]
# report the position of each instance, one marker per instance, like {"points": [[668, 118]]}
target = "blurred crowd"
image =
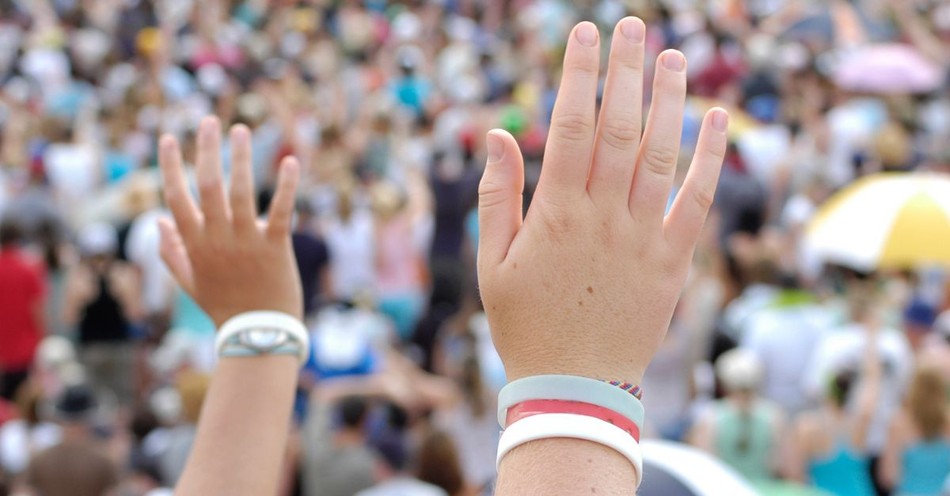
{"points": [[793, 371]]}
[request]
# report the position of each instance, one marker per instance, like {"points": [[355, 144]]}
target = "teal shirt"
{"points": [[746, 440], [925, 467], [842, 472], [190, 318]]}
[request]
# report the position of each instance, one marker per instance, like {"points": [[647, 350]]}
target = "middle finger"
{"points": [[214, 203]]}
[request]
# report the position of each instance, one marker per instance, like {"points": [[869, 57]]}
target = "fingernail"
{"points": [[209, 126], [586, 34], [240, 134], [167, 142], [674, 61], [633, 29], [496, 147], [720, 120]]}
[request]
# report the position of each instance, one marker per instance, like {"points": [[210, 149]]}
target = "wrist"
{"points": [[581, 368]]}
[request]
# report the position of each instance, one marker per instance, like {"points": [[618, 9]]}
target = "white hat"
{"points": [[55, 351], [739, 369], [98, 239]]}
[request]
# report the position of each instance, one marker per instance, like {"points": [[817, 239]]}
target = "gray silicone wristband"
{"points": [[569, 388]]}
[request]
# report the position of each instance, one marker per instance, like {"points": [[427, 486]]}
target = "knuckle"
{"points": [[492, 193], [620, 133], [209, 187], [582, 67], [571, 127], [492, 199], [717, 153], [659, 160], [557, 224], [704, 198]]}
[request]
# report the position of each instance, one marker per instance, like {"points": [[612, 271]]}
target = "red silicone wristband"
{"points": [[537, 407]]}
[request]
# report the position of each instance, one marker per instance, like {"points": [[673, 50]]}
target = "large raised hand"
{"points": [[587, 282], [220, 254]]}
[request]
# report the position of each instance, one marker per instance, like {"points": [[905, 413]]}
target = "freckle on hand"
{"points": [[590, 290]]}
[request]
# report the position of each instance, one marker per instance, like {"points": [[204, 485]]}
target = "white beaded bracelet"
{"points": [[265, 320], [569, 425]]}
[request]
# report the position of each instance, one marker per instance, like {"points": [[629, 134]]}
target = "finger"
{"points": [[242, 184], [499, 198], [571, 138], [210, 178], [175, 255], [175, 186], [620, 122], [685, 221], [282, 206], [656, 163]]}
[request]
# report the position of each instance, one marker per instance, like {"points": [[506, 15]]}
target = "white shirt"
{"points": [[352, 261], [142, 247], [784, 339], [403, 486], [843, 349], [18, 443]]}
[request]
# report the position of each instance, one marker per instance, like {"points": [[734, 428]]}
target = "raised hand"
{"points": [[226, 259], [587, 282]]}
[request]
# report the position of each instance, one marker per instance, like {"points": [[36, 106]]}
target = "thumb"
{"points": [[499, 198]]}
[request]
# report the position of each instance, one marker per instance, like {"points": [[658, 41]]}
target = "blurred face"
{"points": [[916, 334]]}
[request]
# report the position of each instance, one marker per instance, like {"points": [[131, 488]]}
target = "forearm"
{"points": [[565, 467], [243, 429]]}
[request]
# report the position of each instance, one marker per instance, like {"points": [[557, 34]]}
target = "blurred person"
{"points": [[831, 445], [743, 429], [175, 446], [469, 423], [446, 310], [58, 255], [936, 352], [78, 465], [22, 295], [140, 247], [784, 330], [313, 260], [400, 263], [847, 346], [916, 457], [103, 301], [336, 459], [438, 464], [143, 466], [348, 232], [311, 252], [919, 318], [454, 185], [32, 432], [398, 474]]}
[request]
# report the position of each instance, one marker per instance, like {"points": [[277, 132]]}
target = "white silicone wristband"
{"points": [[265, 320], [569, 425]]}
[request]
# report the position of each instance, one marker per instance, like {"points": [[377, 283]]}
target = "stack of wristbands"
{"points": [[564, 406]]}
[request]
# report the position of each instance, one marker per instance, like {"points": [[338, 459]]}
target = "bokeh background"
{"points": [[808, 355]]}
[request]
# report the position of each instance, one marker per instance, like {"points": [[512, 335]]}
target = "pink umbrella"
{"points": [[888, 68]]}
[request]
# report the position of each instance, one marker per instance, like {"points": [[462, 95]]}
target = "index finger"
{"points": [[177, 196]]}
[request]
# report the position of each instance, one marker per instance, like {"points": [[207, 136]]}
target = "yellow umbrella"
{"points": [[890, 220], [739, 120]]}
